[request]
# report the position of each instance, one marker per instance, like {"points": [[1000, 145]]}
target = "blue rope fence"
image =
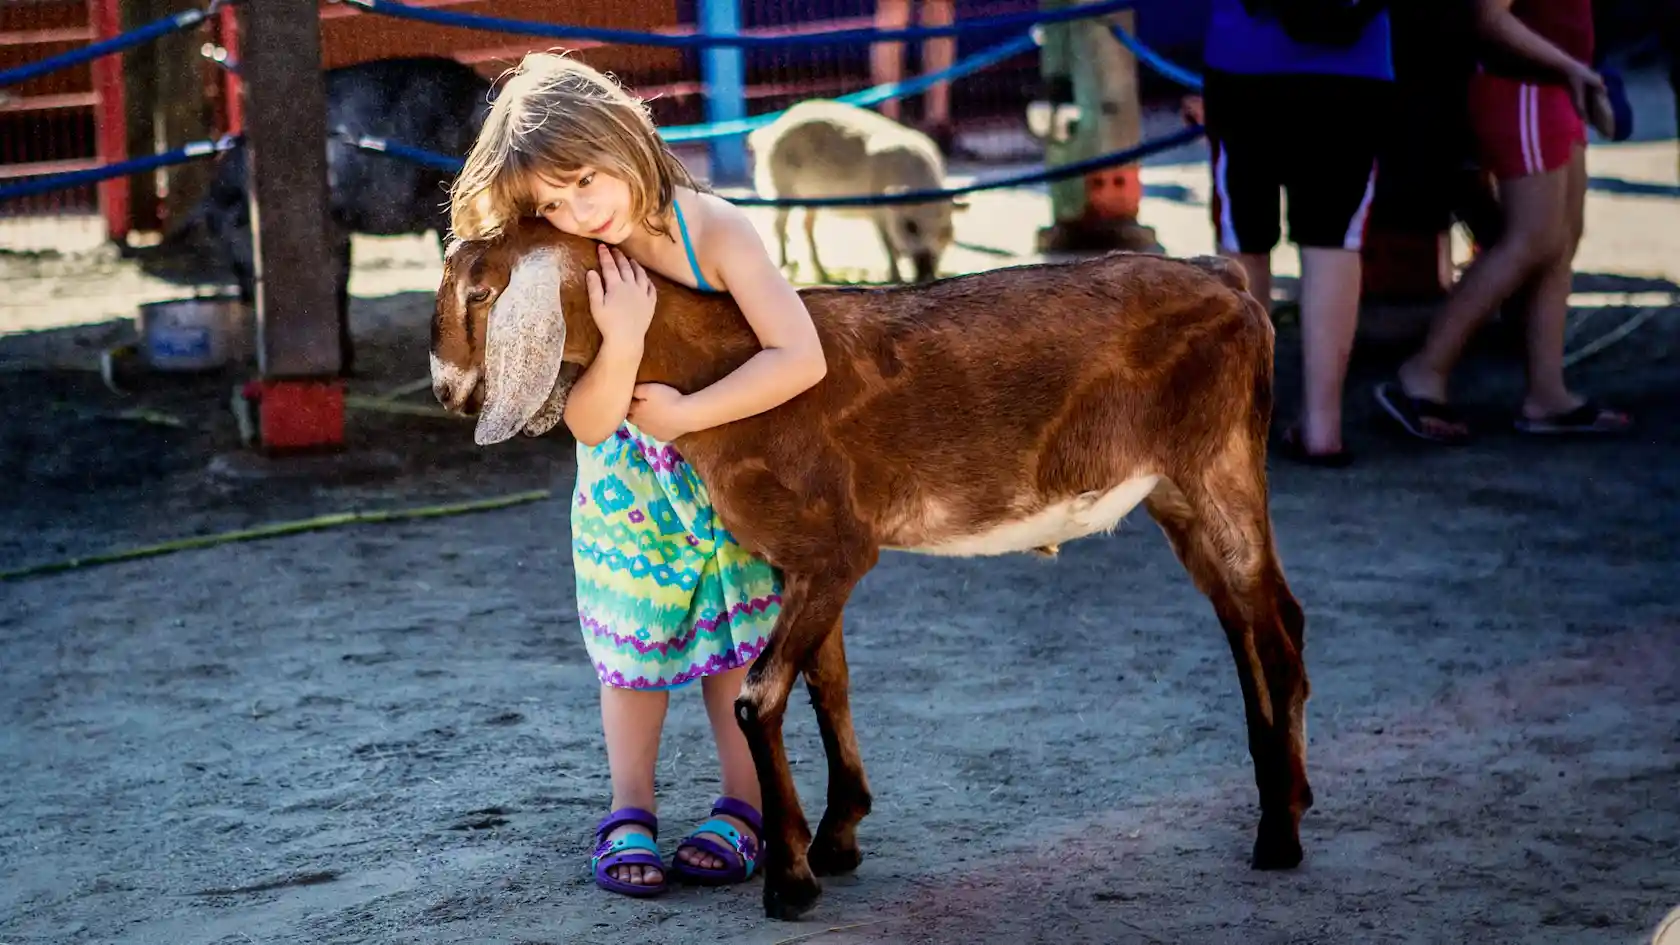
{"points": [[186, 19], [46, 183], [1007, 21], [444, 162], [984, 59], [867, 97], [1154, 60]]}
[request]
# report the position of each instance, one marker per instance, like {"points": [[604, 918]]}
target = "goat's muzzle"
{"points": [[457, 390], [926, 266]]}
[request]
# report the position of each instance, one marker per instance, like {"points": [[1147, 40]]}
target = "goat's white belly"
{"points": [[1084, 515]]}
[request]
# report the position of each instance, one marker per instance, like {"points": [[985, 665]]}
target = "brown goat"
{"points": [[997, 412]]}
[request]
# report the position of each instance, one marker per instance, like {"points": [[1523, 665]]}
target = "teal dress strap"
{"points": [[682, 225]]}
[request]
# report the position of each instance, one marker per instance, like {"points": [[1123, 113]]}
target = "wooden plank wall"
{"points": [[349, 37]]}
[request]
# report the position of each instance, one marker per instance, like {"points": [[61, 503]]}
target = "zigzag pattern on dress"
{"points": [[643, 643]]}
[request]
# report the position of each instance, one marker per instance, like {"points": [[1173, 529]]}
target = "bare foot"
{"points": [[634, 873], [700, 859]]}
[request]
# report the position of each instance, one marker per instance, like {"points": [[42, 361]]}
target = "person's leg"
{"points": [[1330, 183], [1246, 188], [1549, 397], [886, 60], [740, 779], [1511, 121], [632, 720], [1330, 284], [938, 55]]}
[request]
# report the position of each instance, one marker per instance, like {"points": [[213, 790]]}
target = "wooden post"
{"points": [[285, 138], [1098, 211], [301, 400]]}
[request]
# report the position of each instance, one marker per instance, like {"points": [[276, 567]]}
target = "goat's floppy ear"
{"points": [[522, 350]]}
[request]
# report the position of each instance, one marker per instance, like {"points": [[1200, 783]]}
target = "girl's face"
{"points": [[585, 202]]}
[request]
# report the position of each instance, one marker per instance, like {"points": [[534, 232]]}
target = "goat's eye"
{"points": [[477, 294], [911, 228]]}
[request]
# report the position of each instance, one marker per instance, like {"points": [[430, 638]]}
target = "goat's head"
{"points": [[922, 231], [499, 332]]}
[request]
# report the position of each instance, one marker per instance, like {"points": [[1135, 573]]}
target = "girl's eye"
{"points": [[584, 181]]}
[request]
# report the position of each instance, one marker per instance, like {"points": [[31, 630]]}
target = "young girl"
{"points": [[665, 595], [1526, 101]]}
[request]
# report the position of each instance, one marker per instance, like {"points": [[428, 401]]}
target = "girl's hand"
{"points": [[621, 297], [1584, 83], [660, 411]]}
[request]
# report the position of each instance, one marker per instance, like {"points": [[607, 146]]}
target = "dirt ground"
{"points": [[389, 733]]}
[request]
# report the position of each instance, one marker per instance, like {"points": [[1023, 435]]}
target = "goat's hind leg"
{"points": [[1221, 530], [828, 679]]}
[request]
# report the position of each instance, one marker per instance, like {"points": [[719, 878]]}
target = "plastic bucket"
{"points": [[197, 334]]}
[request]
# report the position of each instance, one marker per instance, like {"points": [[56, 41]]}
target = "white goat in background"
{"points": [[823, 148]]}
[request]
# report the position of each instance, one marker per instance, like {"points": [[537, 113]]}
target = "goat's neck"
{"points": [[695, 340]]}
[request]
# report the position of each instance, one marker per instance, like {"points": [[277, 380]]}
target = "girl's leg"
{"points": [[632, 720], [886, 60], [1548, 313], [1533, 235], [740, 779]]}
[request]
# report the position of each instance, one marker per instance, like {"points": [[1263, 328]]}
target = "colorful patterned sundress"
{"points": [[665, 593]]}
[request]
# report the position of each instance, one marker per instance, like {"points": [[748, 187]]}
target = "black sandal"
{"points": [[1590, 418], [1411, 412], [1295, 451]]}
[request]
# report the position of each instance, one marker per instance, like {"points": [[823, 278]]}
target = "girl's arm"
{"points": [[1497, 23], [792, 357], [601, 397], [621, 299]]}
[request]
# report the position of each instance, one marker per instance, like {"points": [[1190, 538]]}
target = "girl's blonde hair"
{"points": [[555, 115]]}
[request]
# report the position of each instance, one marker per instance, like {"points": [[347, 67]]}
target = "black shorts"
{"points": [[1313, 137]]}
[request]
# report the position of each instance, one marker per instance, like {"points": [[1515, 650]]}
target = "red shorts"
{"points": [[1523, 128]]}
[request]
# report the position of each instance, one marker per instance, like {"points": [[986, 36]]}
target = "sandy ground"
{"points": [[388, 733]]}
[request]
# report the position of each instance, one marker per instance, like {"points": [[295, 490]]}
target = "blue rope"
{"points": [[47, 183], [403, 152], [1025, 178], [1009, 21], [1153, 60], [865, 98], [186, 19], [1060, 172]]}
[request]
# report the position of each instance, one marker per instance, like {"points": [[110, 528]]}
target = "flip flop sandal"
{"points": [[740, 856], [636, 849], [1410, 413], [1296, 451], [1591, 418]]}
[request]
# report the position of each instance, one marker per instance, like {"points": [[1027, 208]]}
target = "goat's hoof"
{"points": [[1278, 845], [790, 897], [830, 857]]}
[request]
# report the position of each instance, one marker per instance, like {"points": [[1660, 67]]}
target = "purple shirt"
{"points": [[1237, 42]]}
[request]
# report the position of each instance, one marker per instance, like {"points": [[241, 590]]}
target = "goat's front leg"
{"points": [[811, 238], [781, 235], [811, 607], [893, 275], [835, 849]]}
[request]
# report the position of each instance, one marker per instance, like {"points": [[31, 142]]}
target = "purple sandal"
{"points": [[741, 856], [634, 849]]}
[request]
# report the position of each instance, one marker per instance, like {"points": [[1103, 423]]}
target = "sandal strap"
{"points": [[628, 815], [631, 847], [742, 848], [740, 810]]}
